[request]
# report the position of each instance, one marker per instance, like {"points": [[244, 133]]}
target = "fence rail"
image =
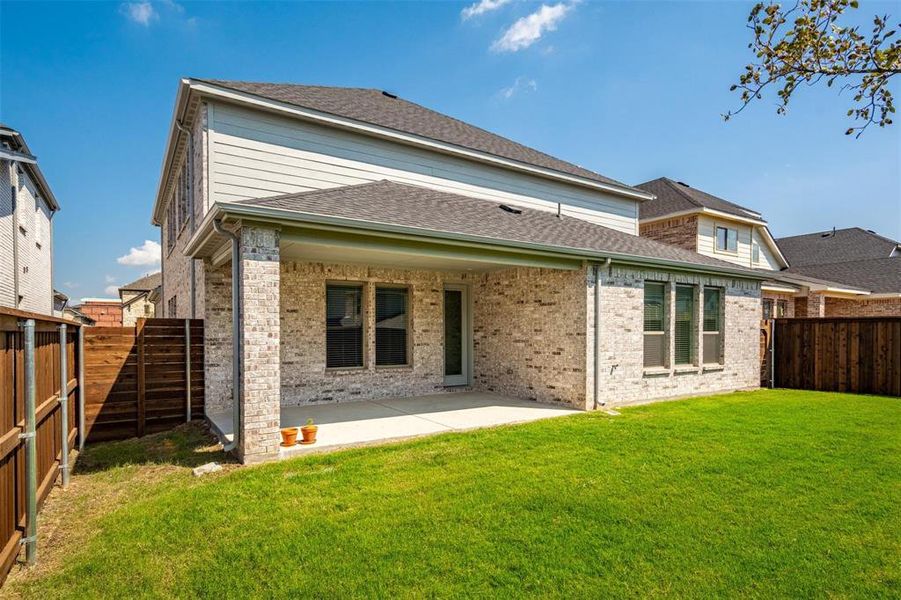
{"points": [[39, 399], [142, 379], [858, 355]]}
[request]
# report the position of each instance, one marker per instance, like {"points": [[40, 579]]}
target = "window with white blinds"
{"points": [[344, 326], [391, 326], [654, 324], [713, 326], [684, 325]]}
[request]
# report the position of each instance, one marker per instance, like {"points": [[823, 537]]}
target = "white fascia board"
{"points": [[779, 289], [884, 296], [184, 87], [6, 154]]}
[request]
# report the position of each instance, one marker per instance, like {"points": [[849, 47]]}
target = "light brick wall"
{"points": [[812, 305], [678, 231], [530, 330], [175, 265], [623, 379], [878, 307], [260, 344], [217, 333]]}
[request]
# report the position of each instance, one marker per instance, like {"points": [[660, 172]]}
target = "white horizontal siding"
{"points": [[707, 243], [7, 231], [254, 155], [34, 255]]}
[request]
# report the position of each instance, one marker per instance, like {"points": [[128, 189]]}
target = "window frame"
{"points": [[719, 333], [662, 333], [409, 325], [693, 325], [364, 324], [716, 239]]}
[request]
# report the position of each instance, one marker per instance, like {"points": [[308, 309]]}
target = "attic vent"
{"points": [[510, 209], [389, 95], [682, 183]]}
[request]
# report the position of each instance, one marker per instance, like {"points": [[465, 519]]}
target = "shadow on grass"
{"points": [[189, 445]]}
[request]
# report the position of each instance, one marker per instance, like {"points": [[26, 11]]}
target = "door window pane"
{"points": [[344, 326], [453, 332], [391, 321]]}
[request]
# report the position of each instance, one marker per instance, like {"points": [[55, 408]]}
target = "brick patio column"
{"points": [[260, 359], [816, 305]]}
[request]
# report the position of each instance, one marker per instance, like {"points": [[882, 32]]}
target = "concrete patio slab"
{"points": [[371, 421]]}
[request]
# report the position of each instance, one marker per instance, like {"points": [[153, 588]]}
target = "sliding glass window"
{"points": [[685, 325], [344, 326], [391, 326], [654, 324], [713, 326]]}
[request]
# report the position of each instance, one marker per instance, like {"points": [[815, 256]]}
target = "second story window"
{"points": [[726, 239]]}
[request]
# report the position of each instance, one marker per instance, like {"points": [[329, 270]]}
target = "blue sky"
{"points": [[633, 90]]}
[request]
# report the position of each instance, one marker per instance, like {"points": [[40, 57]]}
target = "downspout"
{"points": [[14, 185], [597, 332], [236, 334], [189, 167]]}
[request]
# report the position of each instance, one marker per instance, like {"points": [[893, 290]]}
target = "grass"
{"points": [[770, 493]]}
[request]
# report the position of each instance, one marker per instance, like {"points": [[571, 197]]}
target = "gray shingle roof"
{"points": [[392, 203], [675, 196], [824, 247], [146, 283], [878, 275], [374, 107]]}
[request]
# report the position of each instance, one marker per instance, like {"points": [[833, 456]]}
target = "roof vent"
{"points": [[389, 95], [683, 183], [510, 209], [828, 233]]}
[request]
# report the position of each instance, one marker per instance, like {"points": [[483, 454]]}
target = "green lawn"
{"points": [[770, 493]]}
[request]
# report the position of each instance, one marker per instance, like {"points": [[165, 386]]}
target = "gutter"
{"points": [[274, 215], [236, 335]]}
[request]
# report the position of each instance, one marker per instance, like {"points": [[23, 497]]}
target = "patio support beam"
{"points": [[259, 344]]}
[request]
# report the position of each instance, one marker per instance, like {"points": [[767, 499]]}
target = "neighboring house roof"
{"points": [[400, 206], [387, 110], [144, 284], [14, 147], [678, 197], [878, 275], [841, 245]]}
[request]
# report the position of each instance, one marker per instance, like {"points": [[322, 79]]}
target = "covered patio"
{"points": [[349, 424]]}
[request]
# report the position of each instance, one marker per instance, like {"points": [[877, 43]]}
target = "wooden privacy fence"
{"points": [[39, 400], [858, 355], [142, 379]]}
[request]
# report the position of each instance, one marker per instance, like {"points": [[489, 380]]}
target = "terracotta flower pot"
{"points": [[309, 434], [289, 436]]}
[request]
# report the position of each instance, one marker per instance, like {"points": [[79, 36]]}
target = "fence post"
{"points": [[31, 456], [82, 434], [773, 354], [141, 408], [188, 369], [64, 405]]}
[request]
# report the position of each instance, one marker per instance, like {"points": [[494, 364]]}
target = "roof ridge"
{"points": [[675, 185]]}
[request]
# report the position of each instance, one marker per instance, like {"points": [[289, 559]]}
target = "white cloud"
{"points": [[71, 285], [522, 84], [141, 13], [111, 290], [482, 7], [529, 29], [147, 255], [109, 279]]}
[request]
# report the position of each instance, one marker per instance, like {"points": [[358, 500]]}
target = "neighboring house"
{"points": [[696, 220], [104, 312], [60, 301], [74, 314], [136, 298], [386, 250], [27, 206], [855, 257]]}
